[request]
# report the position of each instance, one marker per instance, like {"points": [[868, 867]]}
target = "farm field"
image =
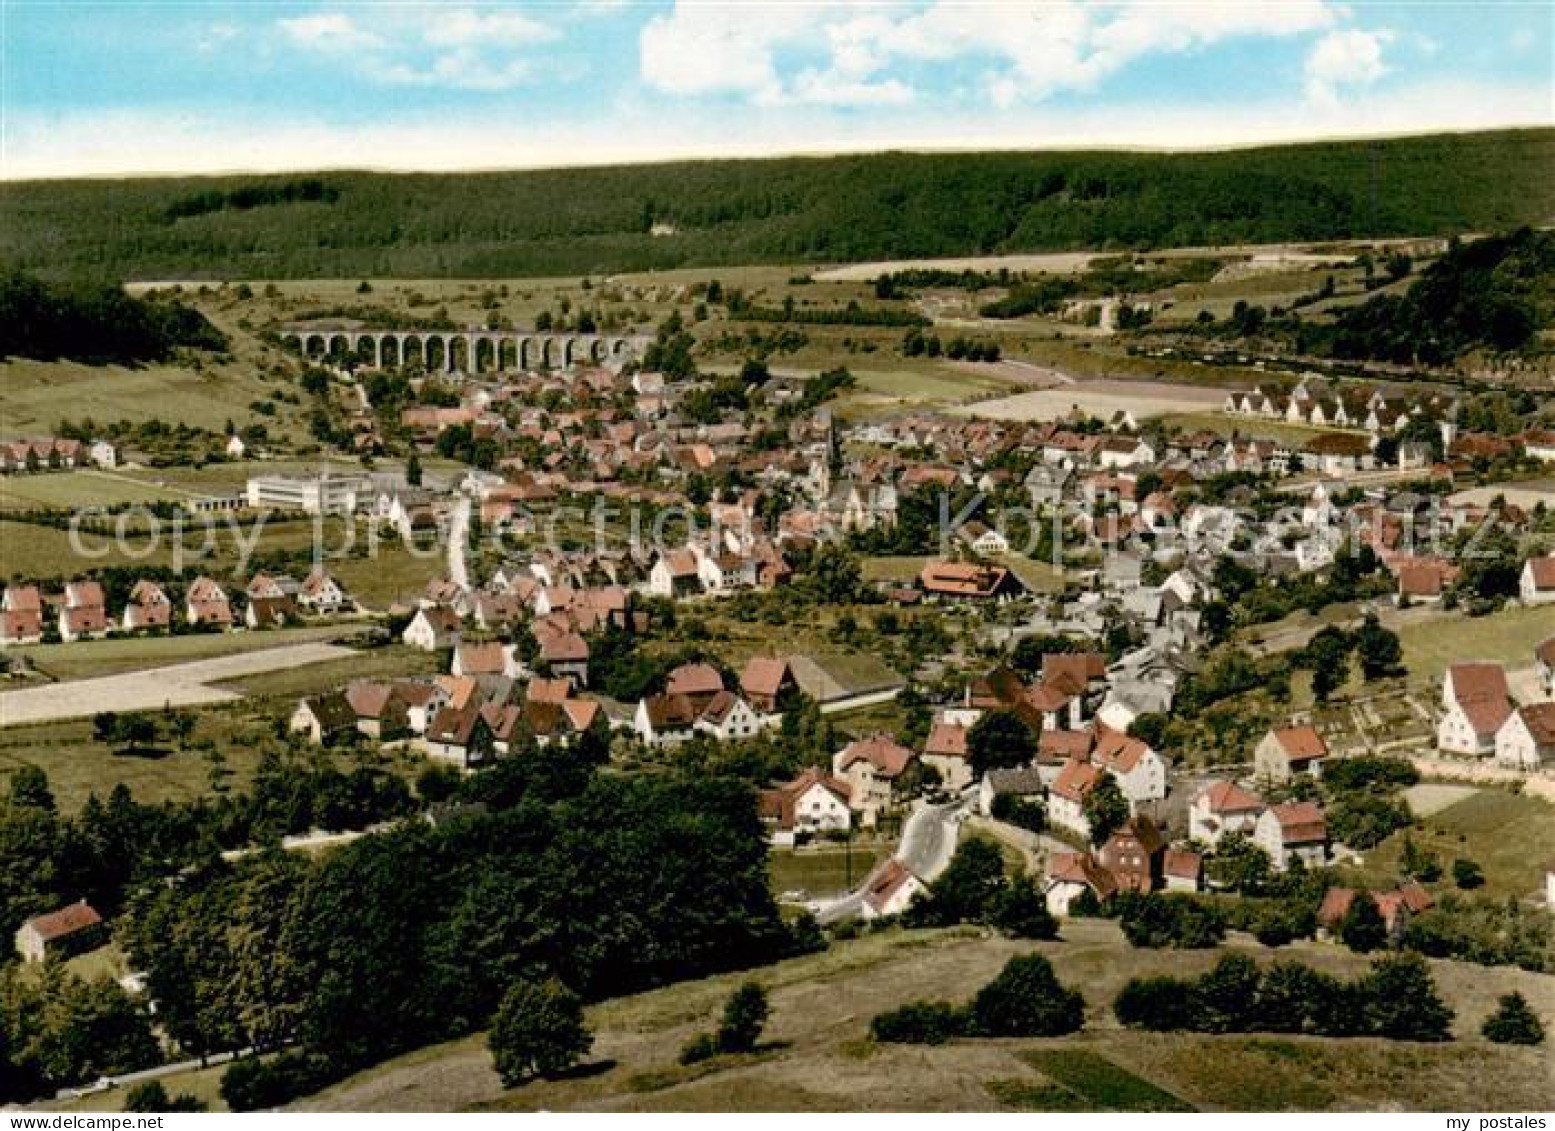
{"points": [[87, 658], [1100, 398], [71, 490], [35, 394], [1245, 426], [882, 391], [823, 1060]]}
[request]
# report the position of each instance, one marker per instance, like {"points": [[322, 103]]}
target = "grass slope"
{"points": [[568, 221]]}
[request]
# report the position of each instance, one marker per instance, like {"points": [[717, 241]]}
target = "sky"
{"points": [[101, 89]]}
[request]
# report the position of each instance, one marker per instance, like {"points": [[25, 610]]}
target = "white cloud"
{"points": [[1346, 58], [842, 54], [462, 48]]}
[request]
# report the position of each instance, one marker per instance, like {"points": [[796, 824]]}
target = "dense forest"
{"points": [[97, 323], [830, 209]]}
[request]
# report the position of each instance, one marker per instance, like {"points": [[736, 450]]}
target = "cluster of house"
{"points": [[1140, 857], [1481, 719], [55, 453], [1320, 403], [80, 611]]}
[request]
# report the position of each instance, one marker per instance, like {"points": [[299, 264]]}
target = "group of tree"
{"points": [[960, 348], [1396, 999], [1026, 999], [417, 934], [974, 888], [97, 323]]}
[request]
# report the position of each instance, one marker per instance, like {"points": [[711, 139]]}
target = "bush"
{"points": [[1021, 911], [1467, 875], [745, 1014], [253, 1085], [1362, 928], [1161, 1004], [920, 1023], [1401, 1001], [1225, 1000], [1027, 1000], [1170, 921], [1513, 1023], [151, 1096], [538, 1031], [703, 1046]]}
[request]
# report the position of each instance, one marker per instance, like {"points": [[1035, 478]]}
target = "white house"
{"points": [[322, 593], [814, 802], [871, 766], [1475, 705], [1287, 752], [1295, 830], [433, 627], [1141, 773], [1526, 740], [727, 716], [1537, 584], [1220, 808], [890, 891]]}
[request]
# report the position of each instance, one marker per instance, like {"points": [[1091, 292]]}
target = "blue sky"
{"points": [[127, 87]]}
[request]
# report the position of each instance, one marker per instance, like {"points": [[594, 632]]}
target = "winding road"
{"points": [[928, 842]]}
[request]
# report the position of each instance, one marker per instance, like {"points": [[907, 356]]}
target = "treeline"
{"points": [[878, 206], [94, 323], [851, 315], [1396, 999]]}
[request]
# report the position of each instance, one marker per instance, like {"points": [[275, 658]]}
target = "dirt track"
{"points": [[177, 685]]}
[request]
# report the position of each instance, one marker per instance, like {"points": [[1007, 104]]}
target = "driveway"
{"points": [[176, 685]]}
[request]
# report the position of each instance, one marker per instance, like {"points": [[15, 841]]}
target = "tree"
{"points": [[1027, 1000], [1513, 1023], [1020, 910], [1105, 809], [1225, 999], [999, 740], [745, 1014], [413, 470], [1161, 1004], [1240, 865], [1362, 928], [920, 1023], [30, 787], [1401, 1001], [1466, 874], [1378, 648], [151, 1096], [538, 1031], [964, 892], [180, 725], [1286, 994]]}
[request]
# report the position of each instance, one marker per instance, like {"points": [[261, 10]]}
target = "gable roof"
{"points": [[694, 679], [66, 921], [1228, 797], [1301, 822], [1301, 743], [1076, 779], [888, 757], [1480, 691], [764, 676]]}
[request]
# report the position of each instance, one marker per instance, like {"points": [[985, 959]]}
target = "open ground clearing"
{"points": [[1100, 398], [177, 685], [821, 1058], [88, 658]]}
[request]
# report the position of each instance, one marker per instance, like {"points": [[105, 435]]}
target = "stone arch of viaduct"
{"points": [[468, 351]]}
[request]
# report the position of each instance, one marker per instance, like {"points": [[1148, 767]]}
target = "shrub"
{"points": [[1027, 1000], [1513, 1023], [538, 1031], [1287, 995], [920, 1023], [1174, 921], [745, 1014], [1161, 1004], [1467, 874], [151, 1096], [1021, 911], [1225, 1000], [252, 1085], [703, 1046], [1362, 928], [1401, 1001]]}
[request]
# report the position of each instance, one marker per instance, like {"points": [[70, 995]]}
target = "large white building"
{"points": [[312, 494]]}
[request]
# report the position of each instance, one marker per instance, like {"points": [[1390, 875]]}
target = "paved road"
{"points": [[176, 685], [458, 538], [928, 842]]}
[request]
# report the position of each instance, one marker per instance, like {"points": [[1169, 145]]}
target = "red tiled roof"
{"points": [[1076, 780], [1228, 797], [880, 750], [1301, 743], [947, 740], [1301, 822], [66, 921]]}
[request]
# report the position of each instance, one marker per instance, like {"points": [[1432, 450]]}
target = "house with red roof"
{"points": [[1067, 794], [945, 749], [1181, 870], [1294, 830], [1287, 752], [206, 603], [69, 930], [871, 766], [148, 608], [1536, 586], [1223, 807], [21, 615], [1526, 740], [765, 680], [814, 802], [1397, 907], [967, 581], [1069, 874], [1141, 773], [1475, 706], [890, 891]]}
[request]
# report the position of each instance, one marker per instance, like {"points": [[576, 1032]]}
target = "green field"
{"points": [[86, 658], [1510, 836], [823, 870], [1508, 637], [34, 395], [1100, 1085]]}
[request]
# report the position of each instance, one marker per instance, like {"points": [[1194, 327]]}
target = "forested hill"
{"points": [[782, 210]]}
